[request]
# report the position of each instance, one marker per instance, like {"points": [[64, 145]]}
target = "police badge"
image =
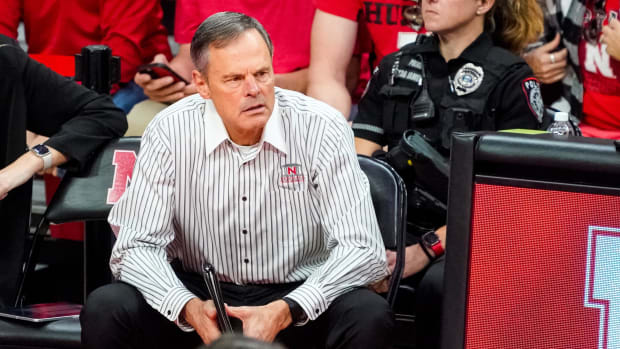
{"points": [[467, 79]]}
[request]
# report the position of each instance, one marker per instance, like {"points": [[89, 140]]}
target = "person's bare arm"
{"points": [[22, 169], [163, 89], [331, 47], [365, 147]]}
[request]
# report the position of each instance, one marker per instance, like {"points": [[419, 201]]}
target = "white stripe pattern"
{"points": [[255, 221]]}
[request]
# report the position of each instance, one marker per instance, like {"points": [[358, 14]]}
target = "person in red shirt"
{"points": [[288, 23], [387, 25], [587, 65], [132, 29], [601, 74]]}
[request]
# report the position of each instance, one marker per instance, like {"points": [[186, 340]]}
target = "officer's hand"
{"points": [[263, 322], [611, 38], [202, 316], [390, 257], [548, 66], [161, 89]]}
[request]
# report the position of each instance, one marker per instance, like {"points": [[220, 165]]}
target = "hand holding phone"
{"points": [[160, 70]]}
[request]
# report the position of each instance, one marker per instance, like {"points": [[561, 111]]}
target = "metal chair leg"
{"points": [[31, 261]]}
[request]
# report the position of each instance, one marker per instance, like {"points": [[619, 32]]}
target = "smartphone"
{"points": [[160, 70]]}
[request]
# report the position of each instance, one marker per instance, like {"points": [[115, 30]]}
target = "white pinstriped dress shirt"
{"points": [[297, 209]]}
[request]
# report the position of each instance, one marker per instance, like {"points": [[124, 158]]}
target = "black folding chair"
{"points": [[86, 196], [389, 198]]}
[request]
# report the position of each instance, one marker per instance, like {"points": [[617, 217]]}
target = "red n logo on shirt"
{"points": [[291, 170], [123, 161]]}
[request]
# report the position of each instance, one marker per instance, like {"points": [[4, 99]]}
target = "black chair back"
{"points": [[89, 195], [389, 198], [86, 196]]}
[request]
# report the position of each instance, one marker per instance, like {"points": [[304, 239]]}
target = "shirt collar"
{"points": [[216, 131], [478, 49], [475, 52]]}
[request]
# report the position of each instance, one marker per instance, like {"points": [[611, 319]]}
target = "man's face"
{"points": [[239, 80]]}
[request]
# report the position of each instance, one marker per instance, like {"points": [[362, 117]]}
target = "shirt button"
{"points": [[244, 198], [246, 261], [244, 231], [169, 312], [316, 311]]}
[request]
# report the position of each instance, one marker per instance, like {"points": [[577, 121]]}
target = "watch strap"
{"points": [[437, 249], [425, 250], [298, 315], [47, 160], [430, 240]]}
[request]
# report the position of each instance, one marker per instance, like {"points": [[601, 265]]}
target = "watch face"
{"points": [[430, 238], [40, 149]]}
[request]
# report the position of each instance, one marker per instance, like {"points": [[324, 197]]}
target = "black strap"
{"points": [[425, 250]]}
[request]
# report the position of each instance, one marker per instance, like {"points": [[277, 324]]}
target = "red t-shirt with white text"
{"points": [[131, 28], [288, 23], [601, 100], [383, 18]]}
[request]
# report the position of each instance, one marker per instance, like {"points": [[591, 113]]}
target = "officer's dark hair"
{"points": [[514, 23], [218, 30]]}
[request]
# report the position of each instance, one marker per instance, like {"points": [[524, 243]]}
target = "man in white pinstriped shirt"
{"points": [[264, 184]]}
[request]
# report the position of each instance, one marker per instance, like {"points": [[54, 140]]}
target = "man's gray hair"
{"points": [[219, 30]]}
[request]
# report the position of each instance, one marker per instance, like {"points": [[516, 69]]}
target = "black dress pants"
{"points": [[428, 285], [117, 316]]}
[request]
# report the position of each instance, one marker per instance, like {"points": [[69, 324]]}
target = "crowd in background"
{"points": [[321, 45]]}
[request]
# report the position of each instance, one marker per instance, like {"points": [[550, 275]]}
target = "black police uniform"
{"points": [[485, 88]]}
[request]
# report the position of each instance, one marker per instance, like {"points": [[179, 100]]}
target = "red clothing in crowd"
{"points": [[131, 28], [601, 85], [383, 18], [287, 22]]}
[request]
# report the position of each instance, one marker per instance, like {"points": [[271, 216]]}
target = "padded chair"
{"points": [[389, 198], [86, 196]]}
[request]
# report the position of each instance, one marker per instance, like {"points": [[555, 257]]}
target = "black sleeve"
{"points": [[77, 120], [519, 101], [369, 122]]}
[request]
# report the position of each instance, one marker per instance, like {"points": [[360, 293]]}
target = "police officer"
{"points": [[457, 79]]}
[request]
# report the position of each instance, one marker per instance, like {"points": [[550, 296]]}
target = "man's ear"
{"points": [[202, 86]]}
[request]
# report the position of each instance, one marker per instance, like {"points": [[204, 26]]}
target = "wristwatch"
{"points": [[297, 313], [44, 153], [431, 240]]}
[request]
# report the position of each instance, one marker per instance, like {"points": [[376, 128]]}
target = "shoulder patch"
{"points": [[531, 89]]}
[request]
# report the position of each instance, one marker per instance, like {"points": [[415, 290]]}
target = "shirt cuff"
{"points": [[310, 299], [173, 303]]}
